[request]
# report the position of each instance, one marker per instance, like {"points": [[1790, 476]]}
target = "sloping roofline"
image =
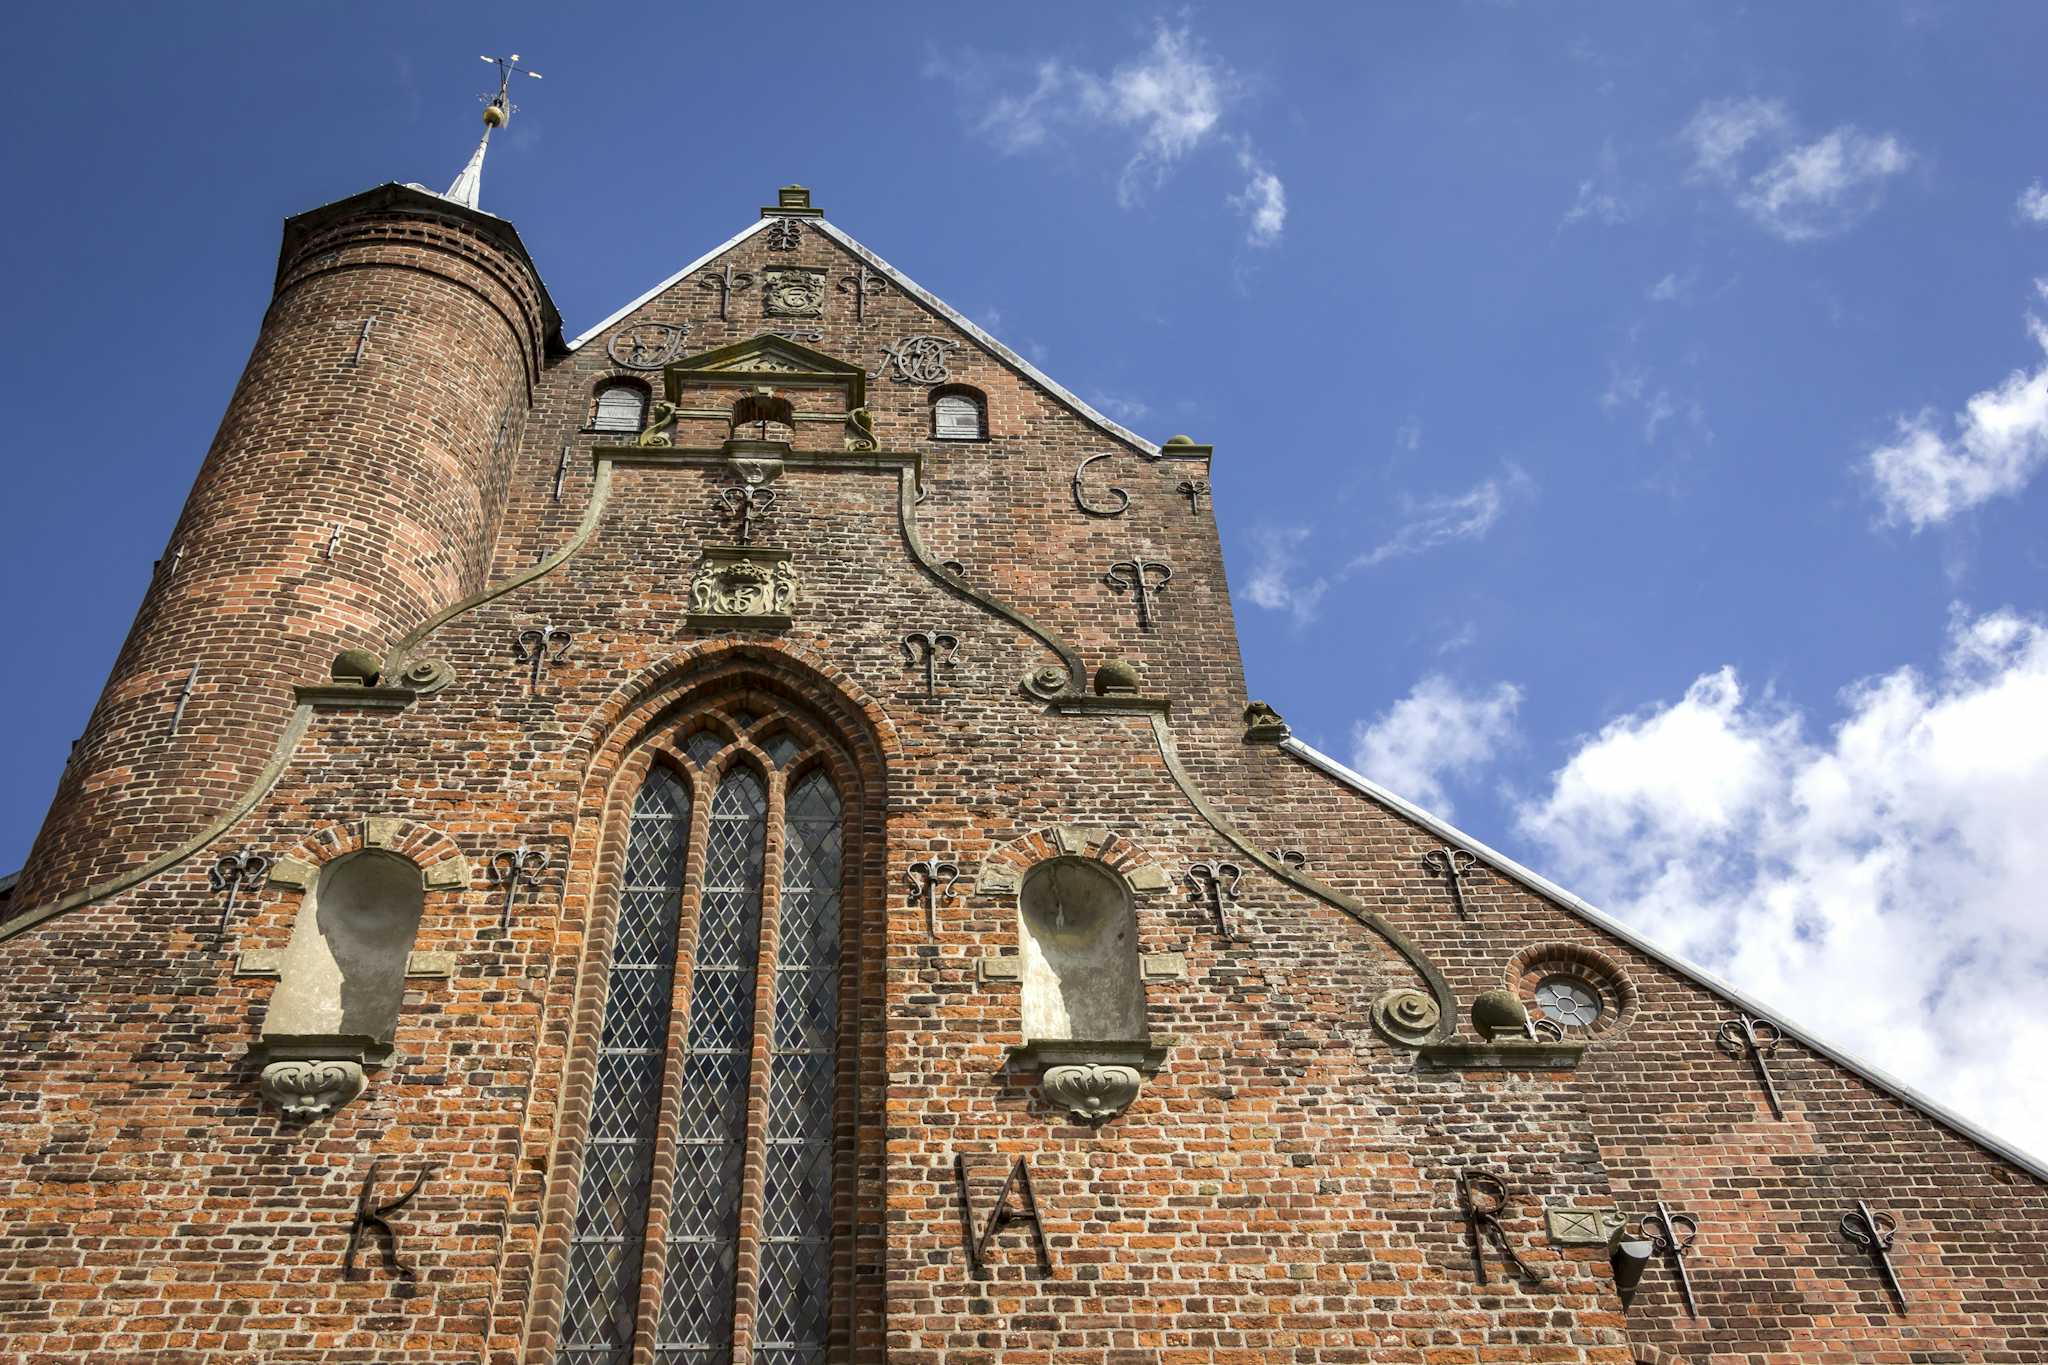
{"points": [[915, 290], [1699, 976]]}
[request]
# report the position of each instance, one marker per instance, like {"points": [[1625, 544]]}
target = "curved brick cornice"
{"points": [[439, 857]]}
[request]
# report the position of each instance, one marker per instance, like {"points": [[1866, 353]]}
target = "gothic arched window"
{"points": [[730, 895], [620, 407]]}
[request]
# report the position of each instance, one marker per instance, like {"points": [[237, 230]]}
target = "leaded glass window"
{"points": [[672, 1108]]}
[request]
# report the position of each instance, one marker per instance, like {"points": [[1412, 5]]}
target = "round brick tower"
{"points": [[353, 490]]}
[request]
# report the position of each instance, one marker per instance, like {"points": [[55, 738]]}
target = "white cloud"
{"points": [[1264, 200], [1880, 884], [1600, 196], [1674, 288], [1799, 191], [1431, 522], [1408, 436], [2000, 441], [1632, 390], [1122, 407], [1169, 101], [1435, 733], [1279, 581], [2033, 205]]}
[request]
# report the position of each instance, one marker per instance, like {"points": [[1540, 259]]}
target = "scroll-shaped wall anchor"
{"points": [[931, 881], [541, 646], [1016, 1185], [1123, 498], [743, 503], [1759, 1038], [860, 285], [1452, 864], [931, 651], [1673, 1234], [372, 1217], [1147, 578], [1216, 882], [1873, 1232], [1293, 859], [1484, 1197], [230, 874], [514, 868], [727, 282], [1192, 490]]}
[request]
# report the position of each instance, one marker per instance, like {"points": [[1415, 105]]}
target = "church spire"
{"points": [[498, 111]]}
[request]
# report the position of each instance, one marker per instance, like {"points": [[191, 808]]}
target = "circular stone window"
{"points": [[1576, 989], [1571, 1002]]}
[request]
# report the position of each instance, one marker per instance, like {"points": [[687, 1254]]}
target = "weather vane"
{"points": [[499, 108]]}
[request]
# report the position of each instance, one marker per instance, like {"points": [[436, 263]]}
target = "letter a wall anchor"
{"points": [[1025, 1210]]}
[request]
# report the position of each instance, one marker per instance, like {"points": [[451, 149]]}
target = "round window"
{"points": [[1569, 1001]]}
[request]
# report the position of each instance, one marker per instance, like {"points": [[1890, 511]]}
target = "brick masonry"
{"points": [[1283, 1189]]}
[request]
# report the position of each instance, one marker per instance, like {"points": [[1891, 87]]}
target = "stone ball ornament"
{"points": [[1117, 678], [356, 666], [1497, 1013]]}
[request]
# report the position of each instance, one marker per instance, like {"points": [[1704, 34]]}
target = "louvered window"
{"points": [[622, 407], [956, 417], [747, 936]]}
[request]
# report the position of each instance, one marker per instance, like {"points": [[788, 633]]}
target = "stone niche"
{"points": [[341, 983], [1083, 996]]}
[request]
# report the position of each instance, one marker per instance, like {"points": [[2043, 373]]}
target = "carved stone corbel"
{"points": [[311, 1077], [1093, 1081]]}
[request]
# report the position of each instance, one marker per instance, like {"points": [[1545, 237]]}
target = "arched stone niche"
{"points": [[341, 982], [1083, 996]]}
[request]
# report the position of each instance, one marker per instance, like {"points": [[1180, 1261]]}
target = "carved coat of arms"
{"points": [[793, 292]]}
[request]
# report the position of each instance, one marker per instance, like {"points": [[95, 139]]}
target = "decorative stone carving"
{"points": [[1091, 1092], [1406, 1016], [660, 418], [792, 292], [784, 234], [1580, 1227], [860, 431], [310, 1088], [1262, 725], [1046, 683], [427, 675], [743, 584]]}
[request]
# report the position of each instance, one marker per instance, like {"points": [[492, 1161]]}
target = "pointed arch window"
{"points": [[714, 1136]]}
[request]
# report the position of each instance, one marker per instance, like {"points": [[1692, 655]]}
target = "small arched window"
{"points": [[959, 414], [620, 407]]}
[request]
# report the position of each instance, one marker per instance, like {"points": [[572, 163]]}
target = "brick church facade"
{"points": [[742, 837]]}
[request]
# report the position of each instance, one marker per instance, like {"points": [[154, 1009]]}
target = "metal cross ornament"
{"points": [[508, 67], [784, 234], [1759, 1038], [931, 651], [1673, 1234], [1216, 882], [373, 1217], [1192, 490], [230, 874], [727, 282], [540, 646], [514, 868], [860, 284], [1147, 578], [1873, 1232], [743, 503], [1484, 1197], [1452, 864], [931, 881]]}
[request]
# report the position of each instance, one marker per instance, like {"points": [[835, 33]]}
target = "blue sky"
{"points": [[1629, 418]]}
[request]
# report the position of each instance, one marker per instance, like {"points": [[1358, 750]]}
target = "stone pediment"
{"points": [[785, 361]]}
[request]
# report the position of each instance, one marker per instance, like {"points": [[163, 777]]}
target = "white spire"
{"points": [[497, 112], [470, 183]]}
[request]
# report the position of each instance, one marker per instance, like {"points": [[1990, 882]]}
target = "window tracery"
{"points": [[728, 898]]}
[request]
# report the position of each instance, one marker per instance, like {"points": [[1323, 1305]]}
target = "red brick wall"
{"points": [[1282, 1190]]}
